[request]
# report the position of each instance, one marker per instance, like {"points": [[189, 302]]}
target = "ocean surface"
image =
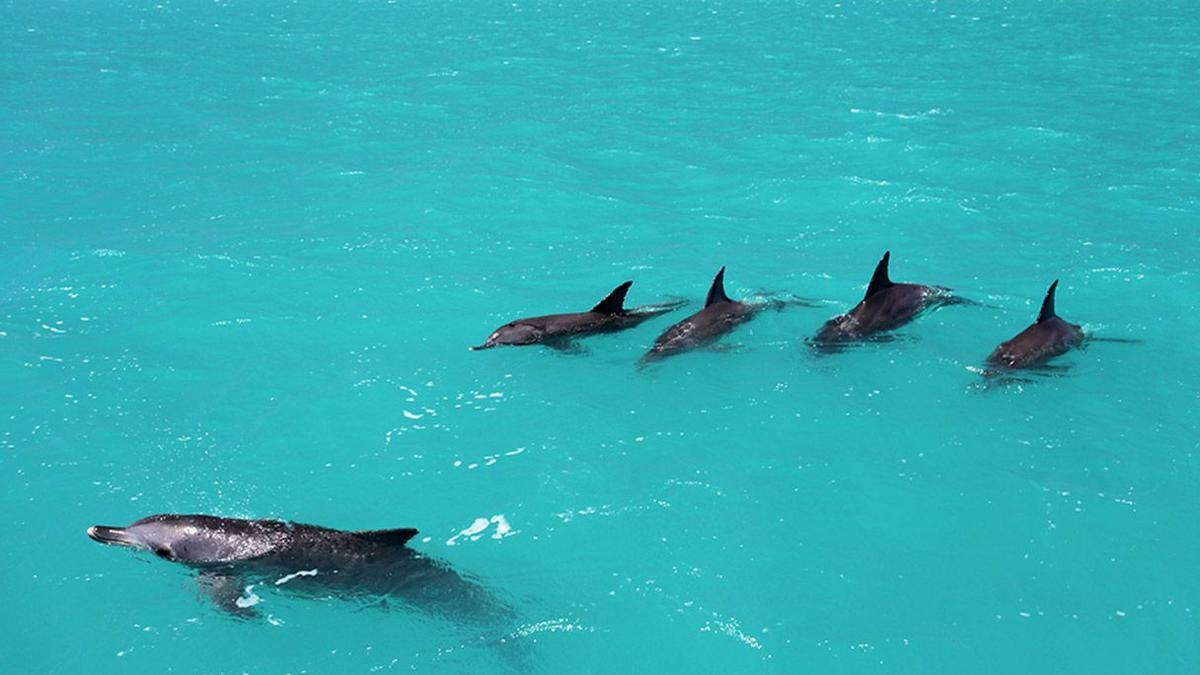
{"points": [[245, 246]]}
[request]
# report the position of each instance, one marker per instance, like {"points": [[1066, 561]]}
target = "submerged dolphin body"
{"points": [[886, 306], [1046, 338], [719, 316], [557, 330], [232, 553]]}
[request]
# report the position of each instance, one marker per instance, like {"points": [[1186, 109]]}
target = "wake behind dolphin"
{"points": [[230, 554], [559, 330]]}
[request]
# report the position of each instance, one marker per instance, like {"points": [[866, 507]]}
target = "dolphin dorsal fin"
{"points": [[1048, 304], [880, 280], [398, 537], [615, 302], [716, 293]]}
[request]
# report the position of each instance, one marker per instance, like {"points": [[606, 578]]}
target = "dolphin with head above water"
{"points": [[557, 330], [719, 316], [886, 306], [1046, 338], [232, 553]]}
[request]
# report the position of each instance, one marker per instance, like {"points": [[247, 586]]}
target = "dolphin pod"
{"points": [[231, 555], [886, 306]]}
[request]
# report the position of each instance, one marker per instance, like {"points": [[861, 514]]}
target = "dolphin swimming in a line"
{"points": [[559, 330], [886, 306], [1046, 338], [719, 316]]}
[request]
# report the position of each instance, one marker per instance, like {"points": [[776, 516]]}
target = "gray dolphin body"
{"points": [[886, 306], [1046, 338], [719, 316], [557, 330], [231, 553]]}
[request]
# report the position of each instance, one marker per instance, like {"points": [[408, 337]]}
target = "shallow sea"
{"points": [[244, 247]]}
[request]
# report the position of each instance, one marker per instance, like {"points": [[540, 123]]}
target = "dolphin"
{"points": [[231, 554], [719, 316], [886, 306], [558, 330], [1046, 338]]}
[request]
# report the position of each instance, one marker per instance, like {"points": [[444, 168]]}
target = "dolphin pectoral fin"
{"points": [[797, 301], [960, 300], [888, 337], [780, 300], [1051, 369], [945, 297], [567, 347], [648, 359], [727, 347], [999, 377], [374, 604], [225, 592], [819, 347]]}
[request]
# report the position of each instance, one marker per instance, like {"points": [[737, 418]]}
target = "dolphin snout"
{"points": [[110, 535], [487, 344]]}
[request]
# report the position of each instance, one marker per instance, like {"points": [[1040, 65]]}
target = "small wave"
{"points": [[733, 629], [563, 625], [489, 460], [932, 112], [866, 181], [225, 258]]}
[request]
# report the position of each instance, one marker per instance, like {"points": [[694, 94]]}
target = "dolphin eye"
{"points": [[163, 552]]}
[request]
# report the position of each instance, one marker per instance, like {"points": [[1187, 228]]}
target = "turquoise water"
{"points": [[245, 246]]}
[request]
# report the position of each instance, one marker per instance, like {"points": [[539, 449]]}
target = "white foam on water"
{"points": [[249, 600], [302, 573], [480, 525]]}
